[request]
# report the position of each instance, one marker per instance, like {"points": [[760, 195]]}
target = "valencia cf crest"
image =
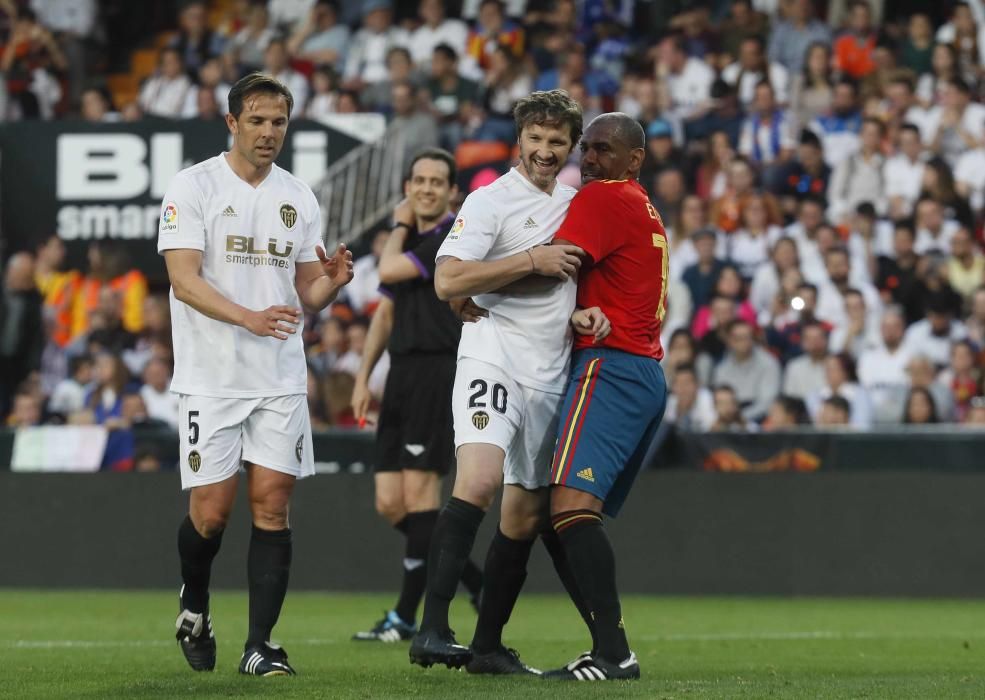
{"points": [[299, 448], [480, 419], [194, 461], [289, 215]]}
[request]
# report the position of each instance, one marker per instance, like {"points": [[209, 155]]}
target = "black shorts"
{"points": [[415, 429]]}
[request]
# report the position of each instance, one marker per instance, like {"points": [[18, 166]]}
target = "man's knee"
{"points": [[390, 506], [479, 490], [521, 526], [210, 524], [269, 510], [524, 513], [422, 491]]}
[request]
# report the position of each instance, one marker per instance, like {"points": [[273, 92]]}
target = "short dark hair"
{"points": [[685, 368], [840, 403], [435, 154], [257, 83], [77, 362], [910, 126], [549, 108], [795, 408], [447, 51]]}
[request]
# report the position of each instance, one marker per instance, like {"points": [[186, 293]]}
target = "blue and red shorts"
{"points": [[614, 403]]}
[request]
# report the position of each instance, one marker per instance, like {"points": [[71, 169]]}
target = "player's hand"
{"points": [[466, 310], [338, 268], [591, 322], [274, 321], [404, 213], [361, 398], [559, 261]]}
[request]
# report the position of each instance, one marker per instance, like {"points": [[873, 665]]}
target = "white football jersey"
{"points": [[527, 335], [251, 239]]}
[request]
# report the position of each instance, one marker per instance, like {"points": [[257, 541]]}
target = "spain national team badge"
{"points": [[194, 461], [299, 448], [289, 215], [456, 229], [480, 419]]}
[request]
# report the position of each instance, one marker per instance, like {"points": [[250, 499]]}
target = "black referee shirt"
{"points": [[422, 323]]}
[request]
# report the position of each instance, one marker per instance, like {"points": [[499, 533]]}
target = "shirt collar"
{"points": [[440, 226]]}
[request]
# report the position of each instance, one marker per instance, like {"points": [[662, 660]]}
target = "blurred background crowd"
{"points": [[819, 167]]}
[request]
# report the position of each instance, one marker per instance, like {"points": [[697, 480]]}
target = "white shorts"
{"points": [[218, 434], [490, 408]]}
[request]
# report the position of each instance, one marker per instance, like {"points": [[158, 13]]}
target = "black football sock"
{"points": [[451, 543], [563, 568], [268, 567], [506, 570], [401, 525], [594, 566], [196, 554], [419, 528], [472, 578]]}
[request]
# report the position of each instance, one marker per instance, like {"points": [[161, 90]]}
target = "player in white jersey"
{"points": [[241, 239], [511, 373]]}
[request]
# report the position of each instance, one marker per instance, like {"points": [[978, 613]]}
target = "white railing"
{"points": [[362, 188]]}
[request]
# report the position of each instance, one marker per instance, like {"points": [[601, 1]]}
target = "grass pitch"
{"points": [[113, 644]]}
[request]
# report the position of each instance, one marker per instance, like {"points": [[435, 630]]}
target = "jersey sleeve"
{"points": [[311, 236], [425, 254], [474, 232], [585, 223], [182, 223]]}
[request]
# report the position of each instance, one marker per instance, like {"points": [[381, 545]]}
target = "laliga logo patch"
{"points": [[169, 218], [456, 229]]}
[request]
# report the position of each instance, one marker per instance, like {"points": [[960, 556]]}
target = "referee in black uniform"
{"points": [[415, 440]]}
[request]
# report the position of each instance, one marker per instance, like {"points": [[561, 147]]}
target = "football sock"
{"points": [[401, 525], [196, 554], [419, 528], [506, 570], [594, 565], [268, 567], [563, 568], [472, 578], [454, 535]]}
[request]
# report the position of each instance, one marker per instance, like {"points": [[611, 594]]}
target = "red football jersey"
{"points": [[614, 222]]}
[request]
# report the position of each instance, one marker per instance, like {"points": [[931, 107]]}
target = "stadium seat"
{"points": [[472, 153]]}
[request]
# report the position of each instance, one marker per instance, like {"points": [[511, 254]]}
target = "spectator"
{"points": [[750, 371], [923, 375], [938, 183], [701, 277], [969, 178], [903, 173], [839, 130], [752, 68], [725, 210], [26, 411], [728, 412], [688, 79], [853, 49], [58, 287], [976, 415], [164, 94], [860, 331], [97, 106], [195, 42], [159, 403], [930, 87], [325, 95], [321, 39], [27, 63], [285, 15], [920, 408], [669, 190], [690, 406], [683, 350], [727, 284], [491, 31], [791, 37], [507, 81], [250, 43], [324, 356], [725, 115], [21, 334], [975, 323], [710, 178], [680, 235], [766, 282], [918, 47], [805, 176], [573, 68], [902, 107], [420, 129], [378, 96], [812, 88], [73, 25], [338, 388], [832, 293], [210, 98], [106, 398], [106, 331], [276, 64], [957, 124], [366, 54], [355, 336], [882, 370], [714, 343], [840, 380], [436, 29], [806, 374], [454, 98], [661, 152], [742, 22], [767, 135], [786, 413], [70, 394], [794, 308], [858, 178], [835, 412], [806, 233], [934, 232], [962, 33], [108, 268], [932, 336], [962, 377], [966, 266], [749, 247]]}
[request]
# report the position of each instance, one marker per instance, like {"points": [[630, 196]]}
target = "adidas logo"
{"points": [[530, 223], [586, 474], [229, 211]]}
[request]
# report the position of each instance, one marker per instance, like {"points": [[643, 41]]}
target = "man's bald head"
{"points": [[612, 148], [20, 272]]}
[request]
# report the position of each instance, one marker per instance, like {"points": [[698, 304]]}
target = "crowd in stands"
{"points": [[819, 167]]}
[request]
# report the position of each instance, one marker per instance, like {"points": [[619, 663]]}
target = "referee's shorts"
{"points": [[415, 430]]}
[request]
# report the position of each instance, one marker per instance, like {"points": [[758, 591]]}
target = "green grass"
{"points": [[111, 644]]}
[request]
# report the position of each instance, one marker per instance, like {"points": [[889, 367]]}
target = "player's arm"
{"points": [[318, 283], [535, 283], [377, 337], [465, 278], [184, 271]]}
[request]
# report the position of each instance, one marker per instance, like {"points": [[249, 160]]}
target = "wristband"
{"points": [[533, 267], [401, 224]]}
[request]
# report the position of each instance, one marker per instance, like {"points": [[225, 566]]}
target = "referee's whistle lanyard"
{"points": [[757, 149]]}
